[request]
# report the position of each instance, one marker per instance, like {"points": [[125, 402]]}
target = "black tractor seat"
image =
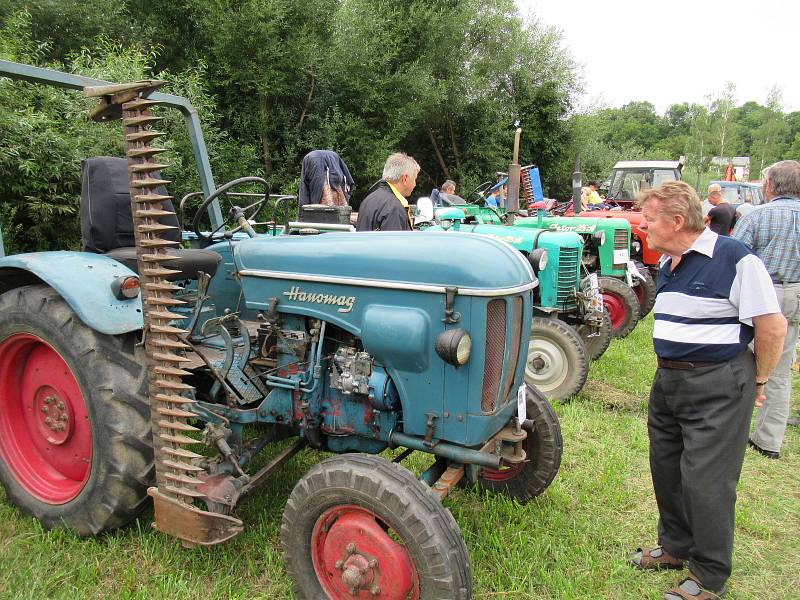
{"points": [[107, 225]]}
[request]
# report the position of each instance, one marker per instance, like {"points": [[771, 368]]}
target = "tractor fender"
{"points": [[84, 281]]}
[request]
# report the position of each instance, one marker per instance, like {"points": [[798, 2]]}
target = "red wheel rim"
{"points": [[45, 434], [356, 555], [506, 473], [616, 310], [502, 474]]}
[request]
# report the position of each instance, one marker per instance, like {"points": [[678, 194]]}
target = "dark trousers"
{"points": [[698, 421]]}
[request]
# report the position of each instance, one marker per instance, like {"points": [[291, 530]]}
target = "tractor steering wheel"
{"points": [[476, 195], [236, 214]]}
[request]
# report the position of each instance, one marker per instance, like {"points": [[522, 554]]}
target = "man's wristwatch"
{"points": [[761, 383]]}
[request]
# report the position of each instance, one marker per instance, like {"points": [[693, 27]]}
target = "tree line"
{"points": [[443, 80], [699, 132]]}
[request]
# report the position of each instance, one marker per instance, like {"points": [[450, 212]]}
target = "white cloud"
{"points": [[679, 51]]}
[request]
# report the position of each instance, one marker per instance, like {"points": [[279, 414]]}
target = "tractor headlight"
{"points": [[446, 224], [125, 288], [538, 259], [637, 246], [600, 236], [454, 346]]}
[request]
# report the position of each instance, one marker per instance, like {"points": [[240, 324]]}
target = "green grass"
{"points": [[569, 543]]}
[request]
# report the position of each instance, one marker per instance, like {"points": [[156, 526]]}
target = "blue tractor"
{"points": [[147, 371]]}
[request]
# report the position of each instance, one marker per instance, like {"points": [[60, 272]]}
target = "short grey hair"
{"points": [[676, 198], [449, 184], [784, 178], [397, 165]]}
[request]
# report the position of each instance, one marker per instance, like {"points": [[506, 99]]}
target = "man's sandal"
{"points": [[691, 589], [654, 559]]}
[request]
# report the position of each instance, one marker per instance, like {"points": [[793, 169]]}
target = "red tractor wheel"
{"points": [[45, 435], [358, 526], [543, 446], [75, 438], [622, 305]]}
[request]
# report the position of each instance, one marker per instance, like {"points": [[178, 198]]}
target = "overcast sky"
{"points": [[679, 51]]}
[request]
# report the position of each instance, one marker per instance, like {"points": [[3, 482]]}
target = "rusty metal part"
{"points": [[508, 443], [219, 489], [178, 476], [274, 464], [190, 524], [448, 481]]}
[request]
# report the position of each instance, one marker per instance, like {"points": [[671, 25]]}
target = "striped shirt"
{"points": [[773, 232], [704, 308]]}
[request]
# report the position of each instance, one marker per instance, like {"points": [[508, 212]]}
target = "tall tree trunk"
{"points": [[308, 102], [439, 157], [266, 152], [453, 141]]}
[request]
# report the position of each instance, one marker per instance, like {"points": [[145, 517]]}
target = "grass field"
{"points": [[569, 543]]}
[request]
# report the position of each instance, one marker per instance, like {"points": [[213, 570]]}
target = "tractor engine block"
{"points": [[350, 371]]}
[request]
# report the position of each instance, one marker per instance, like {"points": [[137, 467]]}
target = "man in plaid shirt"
{"points": [[773, 232]]}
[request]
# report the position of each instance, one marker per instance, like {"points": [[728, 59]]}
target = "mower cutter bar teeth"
{"points": [[170, 397]]}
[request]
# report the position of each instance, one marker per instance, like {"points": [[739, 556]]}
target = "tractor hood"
{"points": [[523, 239], [476, 264], [582, 225]]}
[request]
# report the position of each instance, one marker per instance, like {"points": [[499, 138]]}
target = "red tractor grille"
{"points": [[495, 349], [516, 334]]}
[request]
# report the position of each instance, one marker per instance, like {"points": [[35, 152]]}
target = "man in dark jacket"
{"points": [[386, 208], [721, 216], [324, 179]]}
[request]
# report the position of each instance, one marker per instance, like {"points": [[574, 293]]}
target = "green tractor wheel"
{"points": [[558, 362], [645, 290], [596, 342], [622, 305]]}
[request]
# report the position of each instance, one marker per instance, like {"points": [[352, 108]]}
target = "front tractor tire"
{"points": [[596, 340], [622, 305], [557, 363], [75, 434], [543, 447], [645, 290], [358, 526]]}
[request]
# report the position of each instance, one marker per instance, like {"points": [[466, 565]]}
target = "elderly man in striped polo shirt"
{"points": [[773, 232], [714, 298]]}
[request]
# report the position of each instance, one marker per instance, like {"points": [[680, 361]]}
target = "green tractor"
{"points": [[606, 252], [569, 328]]}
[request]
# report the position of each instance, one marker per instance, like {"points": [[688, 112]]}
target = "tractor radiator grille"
{"points": [[567, 269], [621, 242], [495, 349], [516, 335]]}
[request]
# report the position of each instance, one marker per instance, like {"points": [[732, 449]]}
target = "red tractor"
{"points": [[628, 178]]}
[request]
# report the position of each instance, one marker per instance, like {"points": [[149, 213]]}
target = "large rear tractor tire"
{"points": [[645, 290], [358, 526], [75, 435], [621, 303], [557, 363], [596, 341], [543, 446]]}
